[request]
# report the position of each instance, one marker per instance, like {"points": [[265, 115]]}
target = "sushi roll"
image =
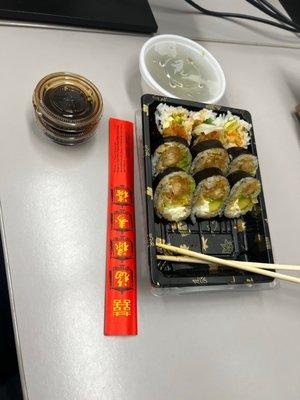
{"points": [[204, 127], [174, 121], [242, 160], [210, 195], [173, 195], [202, 120], [235, 130], [243, 195], [171, 153], [211, 135], [209, 154]]}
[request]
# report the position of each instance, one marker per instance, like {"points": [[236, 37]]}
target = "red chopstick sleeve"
{"points": [[120, 288]]}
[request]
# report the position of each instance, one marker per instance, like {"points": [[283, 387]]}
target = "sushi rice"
{"points": [[171, 154], [211, 135], [235, 131], [211, 158], [230, 129], [243, 195], [244, 162], [174, 121], [203, 118], [177, 196], [209, 197], [173, 196]]}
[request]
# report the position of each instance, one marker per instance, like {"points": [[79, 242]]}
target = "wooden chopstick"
{"points": [[181, 259], [228, 263]]}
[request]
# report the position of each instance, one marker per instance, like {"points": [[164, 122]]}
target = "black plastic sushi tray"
{"points": [[245, 239]]}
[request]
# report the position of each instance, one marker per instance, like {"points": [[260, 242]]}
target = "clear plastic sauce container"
{"points": [[68, 107]]}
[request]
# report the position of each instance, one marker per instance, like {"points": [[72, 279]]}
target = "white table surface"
{"points": [[212, 346]]}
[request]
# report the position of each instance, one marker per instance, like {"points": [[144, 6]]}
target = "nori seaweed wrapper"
{"points": [[234, 152], [206, 173], [166, 172], [237, 176], [205, 145], [169, 139]]}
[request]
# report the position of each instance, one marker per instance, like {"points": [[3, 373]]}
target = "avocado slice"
{"points": [[178, 119], [244, 202], [184, 163], [231, 126], [214, 205]]}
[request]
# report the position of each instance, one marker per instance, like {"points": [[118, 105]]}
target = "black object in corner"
{"points": [[120, 15], [292, 7], [10, 384]]}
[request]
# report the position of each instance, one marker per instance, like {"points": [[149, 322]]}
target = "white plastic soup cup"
{"points": [[194, 50]]}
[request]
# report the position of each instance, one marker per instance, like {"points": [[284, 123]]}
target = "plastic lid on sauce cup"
{"points": [[68, 107]]}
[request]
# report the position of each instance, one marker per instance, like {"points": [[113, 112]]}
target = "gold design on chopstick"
{"points": [[232, 282], [146, 109], [200, 280], [204, 243], [147, 152], [240, 225], [149, 192], [249, 281], [121, 307], [227, 246]]}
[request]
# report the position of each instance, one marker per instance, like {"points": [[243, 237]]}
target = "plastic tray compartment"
{"points": [[245, 239]]}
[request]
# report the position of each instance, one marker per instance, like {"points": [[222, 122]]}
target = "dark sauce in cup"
{"points": [[68, 107]]}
